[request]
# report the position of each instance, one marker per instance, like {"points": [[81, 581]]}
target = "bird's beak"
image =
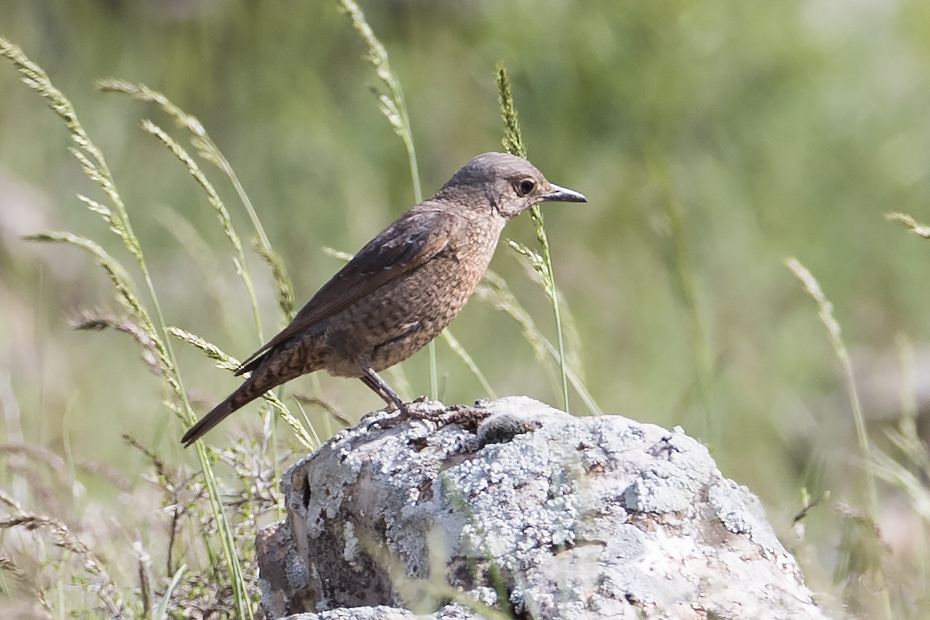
{"points": [[561, 194]]}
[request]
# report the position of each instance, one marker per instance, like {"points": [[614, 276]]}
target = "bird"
{"points": [[401, 289]]}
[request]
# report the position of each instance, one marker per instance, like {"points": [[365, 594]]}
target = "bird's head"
{"points": [[505, 183]]}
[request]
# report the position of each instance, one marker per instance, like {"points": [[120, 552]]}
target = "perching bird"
{"points": [[402, 289]]}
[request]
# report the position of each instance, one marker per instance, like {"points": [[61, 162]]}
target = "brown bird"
{"points": [[402, 289]]}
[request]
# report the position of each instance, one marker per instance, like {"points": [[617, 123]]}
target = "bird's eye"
{"points": [[526, 186]]}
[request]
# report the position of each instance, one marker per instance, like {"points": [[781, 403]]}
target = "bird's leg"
{"points": [[377, 384]]}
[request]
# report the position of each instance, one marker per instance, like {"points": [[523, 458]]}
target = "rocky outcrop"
{"points": [[533, 512]]}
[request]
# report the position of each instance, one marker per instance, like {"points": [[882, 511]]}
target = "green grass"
{"points": [[712, 140]]}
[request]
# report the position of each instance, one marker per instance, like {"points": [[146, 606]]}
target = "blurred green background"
{"points": [[712, 139]]}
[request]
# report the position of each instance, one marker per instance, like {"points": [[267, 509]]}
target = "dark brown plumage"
{"points": [[401, 289]]}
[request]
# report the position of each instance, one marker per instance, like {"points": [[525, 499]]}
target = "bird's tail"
{"points": [[247, 392], [288, 362]]}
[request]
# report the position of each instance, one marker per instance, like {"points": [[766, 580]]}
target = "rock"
{"points": [[564, 517]]}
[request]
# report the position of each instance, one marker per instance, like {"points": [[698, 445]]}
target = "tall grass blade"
{"points": [[241, 263], [921, 230], [208, 150], [834, 333], [513, 142], [394, 109]]}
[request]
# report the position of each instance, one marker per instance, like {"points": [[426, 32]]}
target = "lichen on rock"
{"points": [[565, 517]]}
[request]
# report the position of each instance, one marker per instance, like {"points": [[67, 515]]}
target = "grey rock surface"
{"points": [[566, 517]]}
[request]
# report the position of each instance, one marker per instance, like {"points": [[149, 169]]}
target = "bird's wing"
{"points": [[403, 247]]}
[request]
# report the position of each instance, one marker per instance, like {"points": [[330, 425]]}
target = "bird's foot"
{"points": [[407, 411], [469, 417], [421, 409]]}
